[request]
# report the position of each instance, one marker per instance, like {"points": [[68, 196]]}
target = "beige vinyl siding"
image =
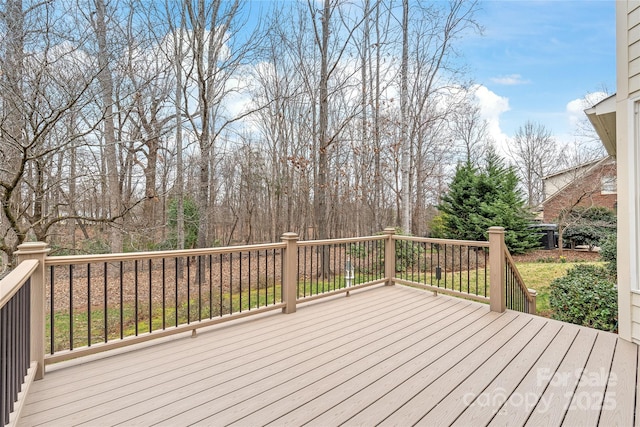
{"points": [[633, 20], [635, 317], [634, 50], [634, 15], [634, 67]]}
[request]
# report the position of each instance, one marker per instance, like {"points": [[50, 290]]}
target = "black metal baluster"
{"points": [[70, 306], [445, 266], [135, 284], [431, 263], [343, 264], [335, 271], [304, 291], [258, 279], [298, 249], [11, 374], [468, 270], [164, 293], [230, 283], [475, 250], [438, 268], [52, 316], [210, 286], [266, 276], [274, 279], [5, 347], [121, 300], [220, 286], [176, 289], [88, 305], [106, 304], [411, 259], [485, 272], [460, 261], [200, 288], [188, 290], [150, 297]]}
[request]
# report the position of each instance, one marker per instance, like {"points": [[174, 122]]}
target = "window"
{"points": [[609, 185]]}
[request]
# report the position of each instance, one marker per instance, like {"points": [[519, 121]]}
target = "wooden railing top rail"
{"points": [[517, 275], [13, 281], [340, 241], [78, 259], [481, 244]]}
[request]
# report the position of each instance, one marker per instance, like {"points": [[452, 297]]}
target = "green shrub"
{"points": [[589, 226], [437, 228], [191, 224], [95, 246], [358, 250], [609, 254], [586, 296], [407, 254]]}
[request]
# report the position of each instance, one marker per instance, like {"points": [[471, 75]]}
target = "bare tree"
{"points": [[217, 53], [405, 155], [38, 93], [469, 130], [534, 153], [105, 79], [433, 28]]}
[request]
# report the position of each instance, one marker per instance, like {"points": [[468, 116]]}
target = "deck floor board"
{"points": [[388, 355]]}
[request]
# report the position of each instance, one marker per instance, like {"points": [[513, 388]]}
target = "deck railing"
{"points": [[326, 267], [104, 301], [517, 296], [453, 267], [81, 305], [16, 369]]}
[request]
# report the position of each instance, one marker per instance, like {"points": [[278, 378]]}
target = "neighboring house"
{"points": [[590, 184], [616, 120]]}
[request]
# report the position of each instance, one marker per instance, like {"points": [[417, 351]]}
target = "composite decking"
{"points": [[390, 355]]}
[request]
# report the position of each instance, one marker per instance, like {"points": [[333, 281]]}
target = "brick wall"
{"points": [[587, 189]]}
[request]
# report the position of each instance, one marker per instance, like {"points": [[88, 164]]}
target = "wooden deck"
{"points": [[388, 355]]}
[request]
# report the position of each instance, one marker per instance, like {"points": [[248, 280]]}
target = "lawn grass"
{"points": [[187, 312], [539, 275]]}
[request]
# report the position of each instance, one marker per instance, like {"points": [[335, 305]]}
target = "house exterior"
{"points": [[616, 120], [590, 184]]}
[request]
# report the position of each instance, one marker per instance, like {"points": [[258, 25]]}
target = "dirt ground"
{"points": [[571, 255]]}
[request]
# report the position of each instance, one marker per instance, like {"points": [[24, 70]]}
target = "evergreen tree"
{"points": [[486, 197]]}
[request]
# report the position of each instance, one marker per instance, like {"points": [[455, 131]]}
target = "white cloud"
{"points": [[492, 106], [510, 80], [575, 108]]}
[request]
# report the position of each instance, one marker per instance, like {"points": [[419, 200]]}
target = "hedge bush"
{"points": [[586, 296], [589, 226], [609, 253]]}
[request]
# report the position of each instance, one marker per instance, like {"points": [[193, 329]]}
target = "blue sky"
{"points": [[535, 57]]}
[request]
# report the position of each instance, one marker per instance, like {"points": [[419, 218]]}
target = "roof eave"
{"points": [[603, 119]]}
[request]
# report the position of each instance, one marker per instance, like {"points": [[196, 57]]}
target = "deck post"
{"points": [[389, 255], [532, 304], [38, 251], [497, 299], [290, 272]]}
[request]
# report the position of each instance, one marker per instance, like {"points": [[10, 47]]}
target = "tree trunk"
{"points": [[106, 86], [404, 134]]}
